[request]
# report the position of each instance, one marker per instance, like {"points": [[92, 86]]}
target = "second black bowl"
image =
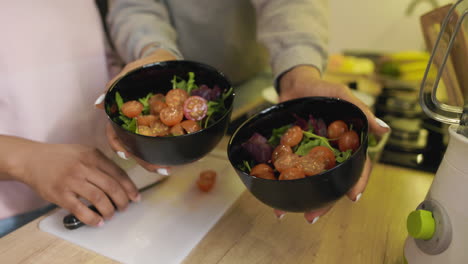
{"points": [[156, 78], [312, 192]]}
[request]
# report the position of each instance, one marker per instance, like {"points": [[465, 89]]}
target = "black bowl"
{"points": [[156, 78], [312, 192]]}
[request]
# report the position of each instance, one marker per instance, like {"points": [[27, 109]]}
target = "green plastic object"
{"points": [[421, 224]]}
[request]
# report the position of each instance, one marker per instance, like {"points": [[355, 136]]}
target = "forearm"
{"points": [[138, 24], [295, 32], [12, 149]]}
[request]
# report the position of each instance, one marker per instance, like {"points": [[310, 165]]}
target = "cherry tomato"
{"points": [[261, 168], [292, 174], [195, 108], [292, 137], [171, 115], [326, 153], [177, 130], [280, 150], [286, 161], [176, 97], [266, 175], [132, 108], [312, 165], [157, 97], [146, 120], [206, 180], [349, 140], [146, 131], [190, 126], [157, 106], [336, 129], [159, 129]]}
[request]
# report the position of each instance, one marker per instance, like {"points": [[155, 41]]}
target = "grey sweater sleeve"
{"points": [[295, 32], [131, 25]]}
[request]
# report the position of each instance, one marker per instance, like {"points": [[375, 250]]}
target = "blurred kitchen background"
{"points": [[380, 50]]}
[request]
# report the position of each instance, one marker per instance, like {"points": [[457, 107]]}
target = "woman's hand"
{"points": [[114, 141], [64, 173], [304, 81]]}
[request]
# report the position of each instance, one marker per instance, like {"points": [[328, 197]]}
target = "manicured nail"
{"points": [[357, 197], [314, 220], [381, 123], [280, 217], [100, 99], [101, 223], [122, 155], [163, 171]]}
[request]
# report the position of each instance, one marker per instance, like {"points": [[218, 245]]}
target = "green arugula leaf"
{"points": [[306, 145], [245, 166], [178, 84], [145, 102], [118, 100], [343, 156], [191, 83], [276, 135], [129, 124]]}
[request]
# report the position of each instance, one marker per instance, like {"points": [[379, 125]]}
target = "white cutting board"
{"points": [[167, 223]]}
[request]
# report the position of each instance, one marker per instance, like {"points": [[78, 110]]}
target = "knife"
{"points": [[72, 222]]}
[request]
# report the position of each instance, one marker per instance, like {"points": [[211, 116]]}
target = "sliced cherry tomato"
{"points": [[146, 120], [292, 174], [190, 126], [280, 150], [312, 165], [146, 131], [157, 107], [206, 180], [261, 168], [336, 129], [159, 129], [177, 130], [292, 137], [171, 115], [326, 153], [195, 108], [349, 140], [176, 97], [132, 109], [286, 161], [266, 175]]}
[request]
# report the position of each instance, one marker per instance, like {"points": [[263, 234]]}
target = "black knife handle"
{"points": [[72, 222]]}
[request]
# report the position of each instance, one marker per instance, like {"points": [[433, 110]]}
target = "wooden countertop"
{"points": [[371, 231]]}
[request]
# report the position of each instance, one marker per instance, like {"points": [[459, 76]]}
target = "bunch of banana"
{"points": [[405, 65]]}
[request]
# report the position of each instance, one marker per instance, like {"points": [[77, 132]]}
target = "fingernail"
{"points": [[381, 123], [281, 216], [357, 197], [137, 198], [101, 223], [100, 99], [163, 171], [314, 220], [122, 155]]}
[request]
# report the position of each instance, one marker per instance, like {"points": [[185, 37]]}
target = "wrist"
{"points": [[157, 48], [290, 77], [13, 158]]}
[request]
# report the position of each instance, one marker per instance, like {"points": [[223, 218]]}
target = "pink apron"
{"points": [[52, 69]]}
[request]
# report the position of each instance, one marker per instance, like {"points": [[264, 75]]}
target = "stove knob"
{"points": [[421, 224]]}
